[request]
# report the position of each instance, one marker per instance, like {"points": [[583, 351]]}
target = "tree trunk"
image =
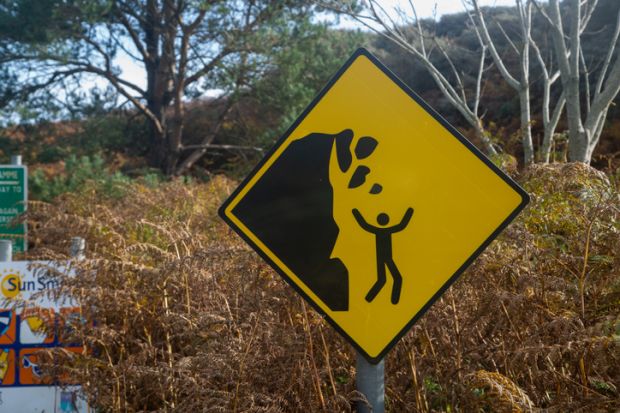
{"points": [[577, 136], [578, 139], [545, 148], [522, 85], [578, 147], [526, 126], [481, 134], [158, 148], [160, 29], [175, 140]]}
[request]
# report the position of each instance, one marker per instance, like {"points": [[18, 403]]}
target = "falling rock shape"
{"points": [[343, 149], [359, 176], [365, 147], [376, 188]]}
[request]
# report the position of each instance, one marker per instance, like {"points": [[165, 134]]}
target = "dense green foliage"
{"points": [[298, 70], [182, 49], [295, 73], [81, 175]]}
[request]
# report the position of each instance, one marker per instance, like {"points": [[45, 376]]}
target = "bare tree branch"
{"points": [[522, 85], [134, 37], [379, 21], [499, 62], [226, 147], [584, 128], [608, 56]]}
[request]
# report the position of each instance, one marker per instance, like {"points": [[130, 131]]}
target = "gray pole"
{"points": [[369, 381], [78, 246], [16, 159], [6, 250]]}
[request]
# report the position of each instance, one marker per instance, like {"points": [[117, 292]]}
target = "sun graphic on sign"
{"points": [[11, 279]]}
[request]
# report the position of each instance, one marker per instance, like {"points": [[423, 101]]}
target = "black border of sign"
{"points": [[524, 196]]}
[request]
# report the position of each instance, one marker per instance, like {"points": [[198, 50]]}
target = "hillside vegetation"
{"points": [[188, 318], [291, 74]]}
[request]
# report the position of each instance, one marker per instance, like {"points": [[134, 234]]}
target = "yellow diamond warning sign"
{"points": [[371, 205]]}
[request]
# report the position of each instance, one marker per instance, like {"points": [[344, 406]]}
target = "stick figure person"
{"points": [[383, 239]]}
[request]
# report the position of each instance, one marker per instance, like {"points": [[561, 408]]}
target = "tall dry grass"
{"points": [[187, 318]]}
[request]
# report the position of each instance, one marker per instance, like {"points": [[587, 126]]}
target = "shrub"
{"points": [[81, 175], [188, 318]]}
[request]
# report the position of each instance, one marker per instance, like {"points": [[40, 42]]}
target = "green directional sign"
{"points": [[13, 198]]}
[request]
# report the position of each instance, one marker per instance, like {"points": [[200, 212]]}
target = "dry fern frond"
{"points": [[501, 393], [188, 318]]}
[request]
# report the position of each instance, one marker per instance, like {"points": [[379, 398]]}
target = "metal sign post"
{"points": [[369, 379], [16, 160], [6, 250], [78, 248]]}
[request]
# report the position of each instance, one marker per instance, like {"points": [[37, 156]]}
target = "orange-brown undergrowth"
{"points": [[188, 318]]}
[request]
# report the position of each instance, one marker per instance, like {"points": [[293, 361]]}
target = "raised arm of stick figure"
{"points": [[404, 222], [361, 221]]}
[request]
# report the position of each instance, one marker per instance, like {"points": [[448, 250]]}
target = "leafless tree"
{"points": [[522, 84], [406, 30], [550, 119], [521, 80], [585, 124]]}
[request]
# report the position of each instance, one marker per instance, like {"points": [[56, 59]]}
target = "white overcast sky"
{"points": [[425, 7], [134, 72]]}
